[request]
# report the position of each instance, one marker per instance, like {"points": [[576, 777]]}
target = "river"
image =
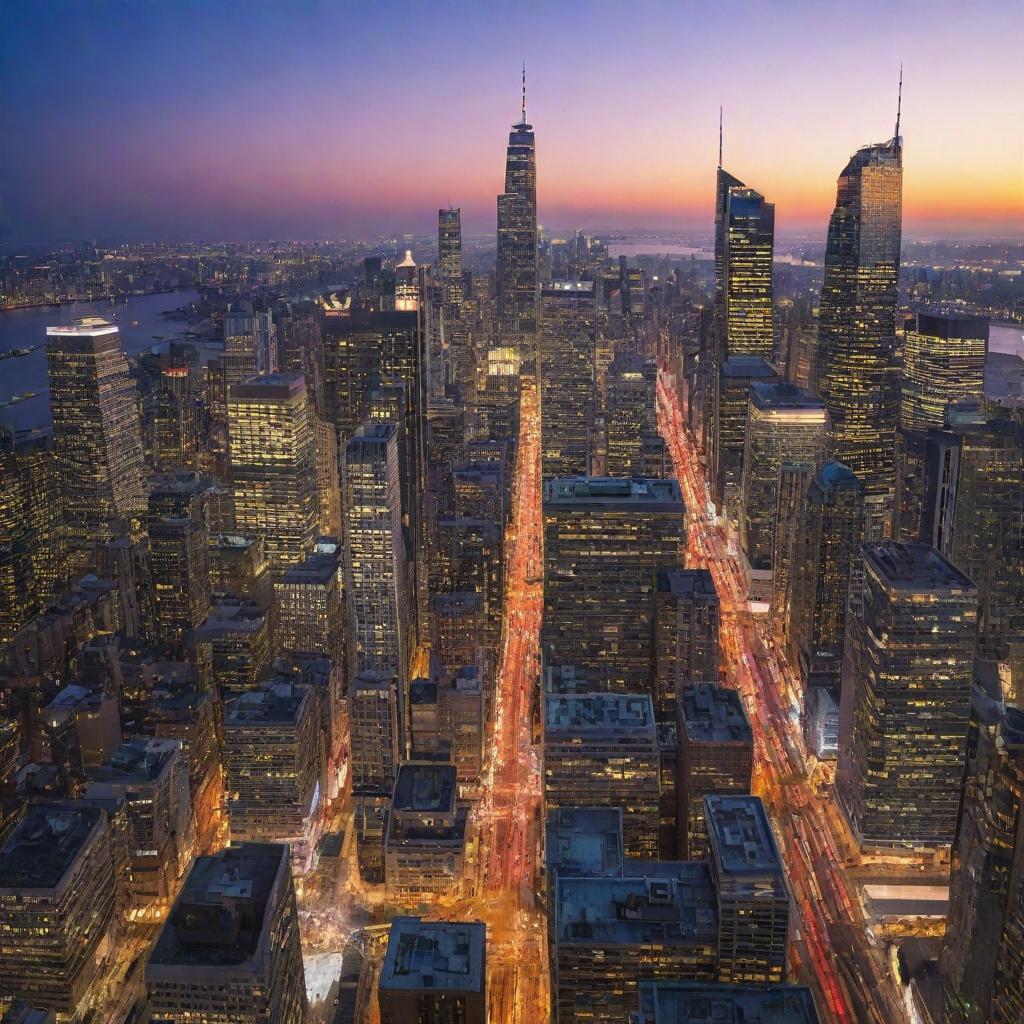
{"points": [[141, 327]]}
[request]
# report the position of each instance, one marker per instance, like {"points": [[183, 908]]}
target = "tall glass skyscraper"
{"points": [[857, 325], [449, 252], [517, 243]]}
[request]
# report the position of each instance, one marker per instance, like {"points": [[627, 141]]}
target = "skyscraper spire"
{"points": [[524, 91], [899, 104], [719, 136]]}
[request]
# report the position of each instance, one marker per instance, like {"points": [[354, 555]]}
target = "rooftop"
{"points": [[457, 603], [714, 714], [947, 325], [85, 327], [585, 841], [747, 367], [689, 1002], [231, 617], [275, 703], [218, 917], [45, 844], [914, 566], [691, 584], [424, 786], [784, 397], [271, 386], [567, 679], [674, 904], [837, 474], [318, 567], [742, 842], [599, 712], [444, 955], [613, 491], [141, 759]]}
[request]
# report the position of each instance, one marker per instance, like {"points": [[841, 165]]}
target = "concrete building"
{"points": [[630, 414], [686, 626], [716, 755], [461, 722], [57, 906], [230, 949], [457, 626], [310, 606], [751, 891], [601, 750], [434, 972], [374, 735], [233, 646]]}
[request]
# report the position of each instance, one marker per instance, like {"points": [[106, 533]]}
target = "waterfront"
{"points": [[140, 320]]}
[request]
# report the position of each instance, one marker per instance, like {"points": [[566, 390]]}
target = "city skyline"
{"points": [[198, 122]]}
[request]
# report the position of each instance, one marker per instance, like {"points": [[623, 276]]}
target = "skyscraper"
{"points": [[567, 334], [857, 323], [517, 244], [273, 465], [906, 697], [97, 440], [373, 725], [250, 344], [630, 412], [449, 248]]}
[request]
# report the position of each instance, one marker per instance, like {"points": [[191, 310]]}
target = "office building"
{"points": [[784, 424], [516, 275], [601, 750], [449, 250], [468, 556], [630, 413], [273, 465], [370, 818], [567, 388], [310, 605], [605, 541], [716, 755], [273, 767], [982, 959], [97, 439], [943, 363], [688, 1002], [230, 949], [906, 697], [233, 647], [373, 728], [686, 625], [150, 774], [857, 324], [426, 837], [612, 933], [250, 344], [794, 483], [172, 421], [178, 555], [461, 721], [57, 905], [407, 291], [750, 886], [434, 972], [239, 568], [457, 629]]}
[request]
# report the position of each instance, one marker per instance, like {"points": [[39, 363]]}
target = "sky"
{"points": [[250, 119]]}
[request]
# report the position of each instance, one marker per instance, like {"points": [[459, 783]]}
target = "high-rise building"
{"points": [[178, 554], [567, 335], [857, 324], [750, 886], [605, 541], [630, 412], [230, 949], [457, 628], [310, 606], [686, 646], [434, 972], [376, 585], [97, 439], [982, 960], [516, 277], [449, 249], [690, 1002], [57, 905], [461, 722], [233, 646], [943, 363], [826, 553], [906, 696], [467, 556], [744, 246], [794, 482], [716, 755], [784, 424], [173, 421], [373, 728], [273, 459], [250, 344], [273, 766], [601, 750]]}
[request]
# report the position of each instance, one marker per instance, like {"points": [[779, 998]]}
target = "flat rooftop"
{"points": [[218, 917], [585, 841], [785, 397], [742, 842], [567, 679], [683, 1002], [914, 566], [609, 491], [630, 364], [318, 567], [276, 703], [44, 844], [747, 367], [276, 386], [231, 618], [435, 955], [457, 603], [425, 787], [141, 759], [714, 714], [676, 905], [599, 712], [689, 584]]}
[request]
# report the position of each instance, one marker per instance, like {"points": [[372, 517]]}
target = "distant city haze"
{"points": [[325, 120]]}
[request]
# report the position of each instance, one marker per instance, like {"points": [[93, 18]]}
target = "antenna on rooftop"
{"points": [[719, 137]]}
